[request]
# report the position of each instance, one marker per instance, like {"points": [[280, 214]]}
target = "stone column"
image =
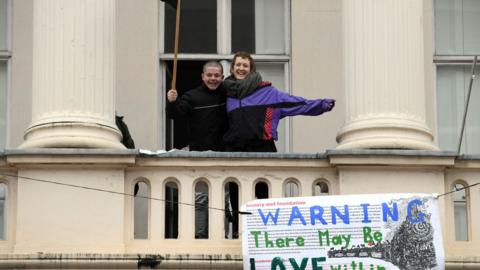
{"points": [[73, 100], [384, 75]]}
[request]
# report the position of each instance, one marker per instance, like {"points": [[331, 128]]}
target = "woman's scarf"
{"points": [[242, 88]]}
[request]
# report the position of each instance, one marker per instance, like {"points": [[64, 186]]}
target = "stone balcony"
{"points": [[62, 202]]}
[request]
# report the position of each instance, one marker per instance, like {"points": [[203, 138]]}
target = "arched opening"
{"points": [[140, 210], [261, 190], [321, 188], [171, 210], [231, 210], [460, 200], [201, 210], [291, 189], [3, 210]]}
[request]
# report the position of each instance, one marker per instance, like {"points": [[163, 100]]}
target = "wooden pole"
{"points": [[175, 50]]}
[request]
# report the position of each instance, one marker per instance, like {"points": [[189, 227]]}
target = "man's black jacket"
{"points": [[206, 114]]}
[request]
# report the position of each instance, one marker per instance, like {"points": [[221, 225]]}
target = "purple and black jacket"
{"points": [[255, 117]]}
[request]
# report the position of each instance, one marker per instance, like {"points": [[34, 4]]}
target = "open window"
{"points": [[201, 210], [320, 188], [457, 40], [189, 77], [231, 210], [261, 190], [171, 210], [215, 30]]}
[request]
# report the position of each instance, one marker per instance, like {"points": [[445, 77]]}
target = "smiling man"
{"points": [[204, 108]]}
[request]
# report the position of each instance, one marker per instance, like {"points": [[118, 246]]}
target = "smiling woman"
{"points": [[255, 108]]}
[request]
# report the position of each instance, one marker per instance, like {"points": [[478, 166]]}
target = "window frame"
{"points": [[319, 181], [6, 212], [293, 181], [223, 55], [6, 56], [467, 210], [266, 182], [439, 60], [209, 202], [239, 202], [164, 191], [149, 208]]}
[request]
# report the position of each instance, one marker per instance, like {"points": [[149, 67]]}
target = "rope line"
{"points": [[457, 189], [120, 193], [170, 201]]}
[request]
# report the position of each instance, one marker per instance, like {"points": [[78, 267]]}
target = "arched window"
{"points": [[171, 210], [201, 210], [140, 211], [460, 210], [320, 188], [261, 190], [291, 189], [231, 210], [3, 212]]}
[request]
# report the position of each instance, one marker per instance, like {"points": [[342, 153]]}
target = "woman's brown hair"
{"points": [[245, 55]]}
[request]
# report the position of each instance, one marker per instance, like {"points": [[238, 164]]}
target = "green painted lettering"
{"points": [[268, 243], [277, 262], [367, 237], [295, 266], [377, 236], [288, 240], [325, 235], [255, 236], [337, 240], [315, 262], [252, 264], [280, 243], [300, 241]]}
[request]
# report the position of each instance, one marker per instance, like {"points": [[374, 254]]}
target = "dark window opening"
{"points": [[243, 25], [3, 212], [201, 210], [261, 190], [231, 210], [188, 77], [198, 27], [321, 188], [171, 210]]}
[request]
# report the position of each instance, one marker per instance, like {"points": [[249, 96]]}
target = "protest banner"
{"points": [[359, 232]]}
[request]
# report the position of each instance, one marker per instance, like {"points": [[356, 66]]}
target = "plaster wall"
{"points": [[59, 218]]}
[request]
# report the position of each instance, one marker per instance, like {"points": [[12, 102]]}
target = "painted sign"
{"points": [[358, 232]]}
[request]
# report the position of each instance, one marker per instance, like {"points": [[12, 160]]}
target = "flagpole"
{"points": [[175, 50]]}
